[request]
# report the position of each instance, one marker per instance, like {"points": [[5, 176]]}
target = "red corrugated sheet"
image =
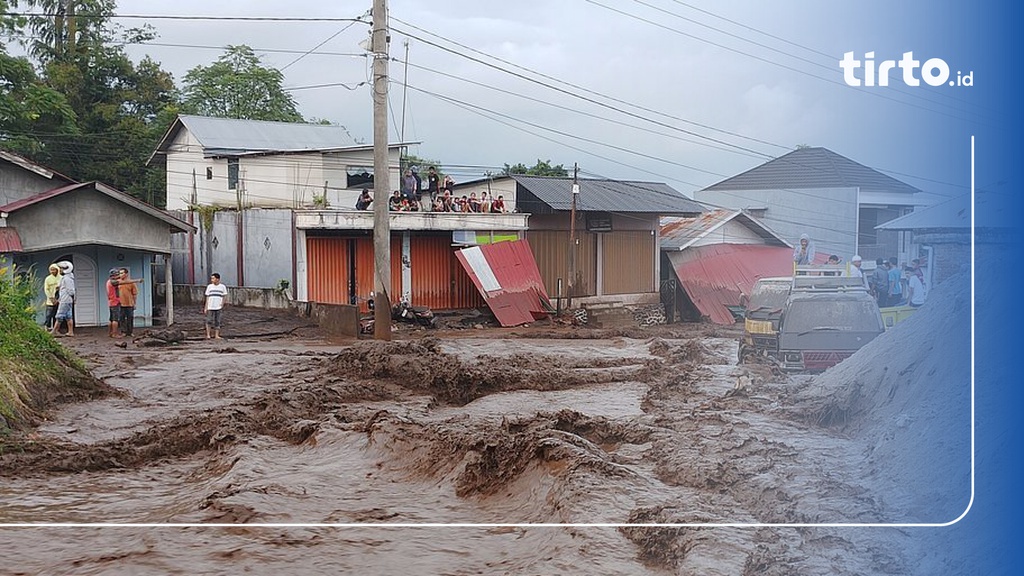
{"points": [[9, 240], [509, 280], [714, 276]]}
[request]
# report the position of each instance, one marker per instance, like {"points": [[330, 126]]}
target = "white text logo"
{"points": [[934, 71]]}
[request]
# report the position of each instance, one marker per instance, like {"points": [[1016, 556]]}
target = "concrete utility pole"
{"points": [[381, 224], [572, 233]]}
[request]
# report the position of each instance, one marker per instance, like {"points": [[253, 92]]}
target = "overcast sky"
{"points": [[693, 92]]}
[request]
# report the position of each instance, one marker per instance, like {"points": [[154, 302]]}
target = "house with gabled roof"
{"points": [[712, 260], [232, 163], [838, 202], [90, 224]]}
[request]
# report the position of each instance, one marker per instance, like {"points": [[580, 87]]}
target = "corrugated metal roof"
{"points": [[812, 168], [9, 240], [609, 195], [714, 276], [678, 233], [954, 213], [508, 278], [242, 136], [114, 193]]}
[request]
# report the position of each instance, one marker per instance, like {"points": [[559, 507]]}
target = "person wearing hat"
{"points": [[803, 253], [50, 294], [855, 270], [65, 299]]}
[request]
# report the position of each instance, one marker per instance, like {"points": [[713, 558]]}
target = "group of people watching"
{"points": [[437, 196], [890, 283], [59, 293]]}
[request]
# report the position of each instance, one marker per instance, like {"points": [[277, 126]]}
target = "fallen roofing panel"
{"points": [[714, 276], [507, 277]]}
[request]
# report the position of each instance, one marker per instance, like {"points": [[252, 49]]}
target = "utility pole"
{"points": [[572, 233], [381, 224]]}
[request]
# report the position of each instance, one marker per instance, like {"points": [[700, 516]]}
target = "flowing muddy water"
{"points": [[492, 427]]}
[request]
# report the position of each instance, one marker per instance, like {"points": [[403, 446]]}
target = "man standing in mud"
{"points": [[215, 295]]}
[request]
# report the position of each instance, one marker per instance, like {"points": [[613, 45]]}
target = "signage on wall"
{"points": [[599, 223]]}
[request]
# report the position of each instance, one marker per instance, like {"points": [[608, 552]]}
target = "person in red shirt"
{"points": [[114, 301]]}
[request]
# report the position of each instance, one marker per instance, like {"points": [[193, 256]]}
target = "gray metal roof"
{"points": [[234, 137], [608, 195], [812, 168], [241, 136]]}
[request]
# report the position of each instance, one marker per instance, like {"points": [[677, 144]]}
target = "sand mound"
{"points": [[906, 396]]}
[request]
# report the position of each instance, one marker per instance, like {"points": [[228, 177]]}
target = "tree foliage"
{"points": [[238, 85], [541, 168], [102, 114]]}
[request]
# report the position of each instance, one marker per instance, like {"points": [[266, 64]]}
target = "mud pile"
{"points": [[422, 366]]}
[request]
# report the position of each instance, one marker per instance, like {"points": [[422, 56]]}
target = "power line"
{"points": [[101, 16], [332, 37], [589, 99], [785, 66]]}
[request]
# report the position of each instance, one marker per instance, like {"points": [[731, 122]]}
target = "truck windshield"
{"points": [[847, 315]]}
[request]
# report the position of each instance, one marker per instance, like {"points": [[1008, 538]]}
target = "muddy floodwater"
{"points": [[508, 428]]}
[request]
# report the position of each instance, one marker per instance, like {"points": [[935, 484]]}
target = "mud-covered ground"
{"points": [[513, 428]]}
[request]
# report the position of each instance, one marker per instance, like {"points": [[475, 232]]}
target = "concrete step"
{"points": [[610, 317]]}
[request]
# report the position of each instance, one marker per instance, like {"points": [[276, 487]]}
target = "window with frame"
{"points": [[232, 173]]}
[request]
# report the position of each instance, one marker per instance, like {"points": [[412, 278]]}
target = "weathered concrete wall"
{"points": [[337, 320], [266, 253], [268, 247], [195, 294], [89, 217], [17, 183]]}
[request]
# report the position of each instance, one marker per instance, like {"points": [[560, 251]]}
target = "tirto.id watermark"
{"points": [[934, 71]]}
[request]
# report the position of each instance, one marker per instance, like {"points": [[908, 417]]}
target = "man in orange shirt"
{"points": [[127, 293]]}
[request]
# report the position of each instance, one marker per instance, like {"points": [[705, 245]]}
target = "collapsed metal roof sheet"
{"points": [[714, 276], [507, 277]]}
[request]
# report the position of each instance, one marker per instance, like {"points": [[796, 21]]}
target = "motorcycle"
{"points": [[420, 315], [401, 312]]}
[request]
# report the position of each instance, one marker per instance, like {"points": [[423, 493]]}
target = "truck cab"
{"points": [[821, 327]]}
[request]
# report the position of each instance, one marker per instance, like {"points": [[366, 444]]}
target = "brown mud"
{"points": [[504, 427]]}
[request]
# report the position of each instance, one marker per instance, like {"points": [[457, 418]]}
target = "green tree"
{"points": [[237, 85], [29, 108], [119, 109], [541, 168]]}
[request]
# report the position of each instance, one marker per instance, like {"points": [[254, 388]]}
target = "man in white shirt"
{"points": [[855, 270], [216, 293]]}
